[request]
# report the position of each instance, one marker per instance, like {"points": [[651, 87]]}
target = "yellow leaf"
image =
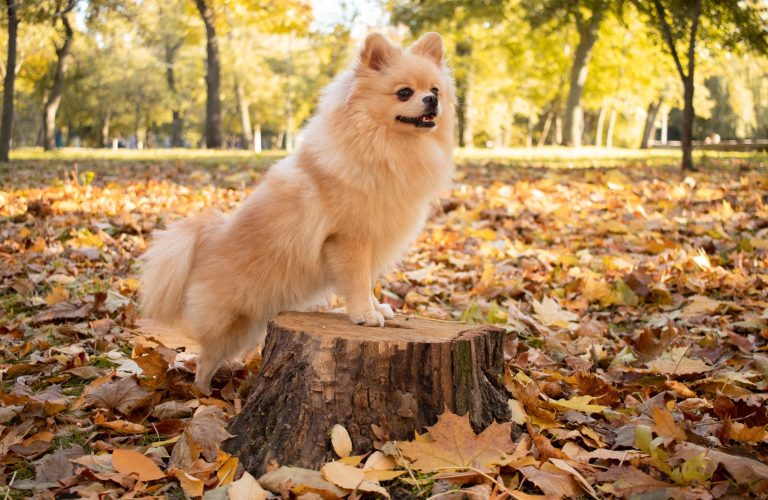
{"points": [[351, 478], [453, 443], [340, 440], [578, 403], [227, 471], [56, 295], [665, 426], [246, 488], [191, 485], [549, 312], [382, 475], [379, 461], [353, 460], [517, 412]]}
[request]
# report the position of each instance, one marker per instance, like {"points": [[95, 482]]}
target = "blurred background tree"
{"points": [[247, 73]]}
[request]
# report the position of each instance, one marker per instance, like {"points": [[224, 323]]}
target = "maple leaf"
{"points": [[451, 443], [124, 395], [665, 425], [202, 437], [674, 362], [549, 312], [578, 403]]}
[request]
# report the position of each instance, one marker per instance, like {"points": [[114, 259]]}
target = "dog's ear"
{"points": [[430, 45], [377, 52]]}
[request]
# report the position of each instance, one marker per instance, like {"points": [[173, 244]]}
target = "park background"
{"points": [[633, 294], [246, 74]]}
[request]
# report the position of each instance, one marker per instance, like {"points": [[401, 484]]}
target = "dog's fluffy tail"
{"points": [[166, 267]]}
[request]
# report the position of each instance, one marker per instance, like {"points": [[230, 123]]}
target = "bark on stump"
{"points": [[319, 370]]}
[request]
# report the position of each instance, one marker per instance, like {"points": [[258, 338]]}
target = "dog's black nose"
{"points": [[430, 100]]}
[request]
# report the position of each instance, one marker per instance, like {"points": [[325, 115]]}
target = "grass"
{"points": [[548, 156]]}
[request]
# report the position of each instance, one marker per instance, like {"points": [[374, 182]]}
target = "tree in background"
{"points": [[60, 15], [6, 122], [680, 24], [587, 15], [212, 75], [456, 20]]}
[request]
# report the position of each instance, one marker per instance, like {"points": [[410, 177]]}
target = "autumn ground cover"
{"points": [[636, 301]]}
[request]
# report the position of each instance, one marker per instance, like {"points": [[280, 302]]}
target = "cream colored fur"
{"points": [[332, 216]]}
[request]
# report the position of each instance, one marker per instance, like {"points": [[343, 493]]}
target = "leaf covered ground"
{"points": [[636, 301]]}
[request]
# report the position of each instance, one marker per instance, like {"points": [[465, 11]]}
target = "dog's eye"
{"points": [[404, 94], [435, 91]]}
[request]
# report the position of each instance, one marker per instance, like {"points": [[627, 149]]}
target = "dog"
{"points": [[330, 217]]}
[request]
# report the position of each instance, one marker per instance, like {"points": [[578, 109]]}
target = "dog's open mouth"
{"points": [[426, 120]]}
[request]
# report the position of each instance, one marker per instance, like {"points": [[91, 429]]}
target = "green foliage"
{"points": [[138, 65]]}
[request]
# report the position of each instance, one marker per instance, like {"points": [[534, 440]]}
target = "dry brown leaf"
{"points": [[134, 463], [226, 472], [341, 442], [246, 488], [453, 444], [191, 485], [172, 410], [552, 481], [379, 461], [120, 426], [665, 426], [351, 478], [123, 395], [300, 481], [744, 470], [674, 362]]}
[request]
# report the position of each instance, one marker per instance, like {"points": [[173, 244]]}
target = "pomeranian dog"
{"points": [[329, 217]]}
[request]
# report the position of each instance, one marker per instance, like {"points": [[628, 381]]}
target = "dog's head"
{"points": [[408, 90]]}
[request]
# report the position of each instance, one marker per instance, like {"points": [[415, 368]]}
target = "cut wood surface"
{"points": [[318, 370]]}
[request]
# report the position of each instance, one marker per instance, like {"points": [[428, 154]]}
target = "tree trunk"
{"points": [[686, 138], [464, 94], [212, 78], [104, 141], [573, 119], [468, 129], [686, 78], [545, 130], [664, 127], [257, 138], [611, 127], [6, 122], [650, 123], [558, 139], [170, 78], [600, 125], [319, 370], [54, 98], [245, 117]]}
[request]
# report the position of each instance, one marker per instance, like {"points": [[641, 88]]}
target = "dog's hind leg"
{"points": [[217, 345]]}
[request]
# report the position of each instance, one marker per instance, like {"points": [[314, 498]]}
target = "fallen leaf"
{"points": [[340, 441], [674, 362], [452, 443], [246, 488], [123, 395], [578, 403], [299, 481], [549, 312], [665, 426], [134, 463], [351, 478]]}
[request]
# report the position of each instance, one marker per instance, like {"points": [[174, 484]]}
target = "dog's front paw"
{"points": [[367, 318], [385, 310]]}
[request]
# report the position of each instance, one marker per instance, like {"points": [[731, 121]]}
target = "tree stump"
{"points": [[319, 370]]}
